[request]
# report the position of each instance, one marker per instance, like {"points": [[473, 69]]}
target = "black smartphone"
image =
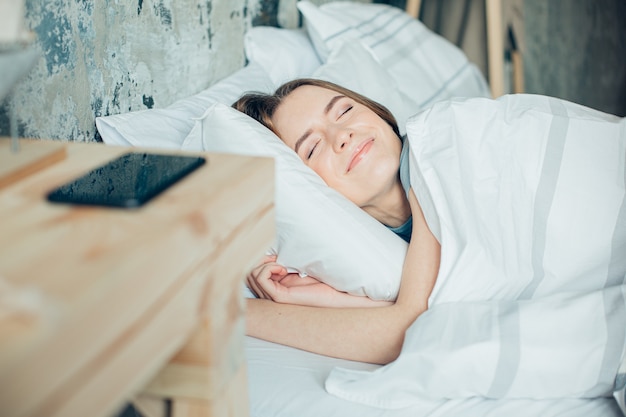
{"points": [[128, 181]]}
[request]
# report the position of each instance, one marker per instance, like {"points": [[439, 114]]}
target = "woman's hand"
{"points": [[272, 281]]}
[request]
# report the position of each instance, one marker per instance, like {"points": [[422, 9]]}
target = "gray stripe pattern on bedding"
{"points": [[617, 266], [444, 86], [508, 362], [545, 192], [381, 32], [364, 23], [616, 334], [616, 276]]}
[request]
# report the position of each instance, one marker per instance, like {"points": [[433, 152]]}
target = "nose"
{"points": [[341, 139]]}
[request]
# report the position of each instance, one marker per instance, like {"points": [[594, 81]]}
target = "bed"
{"points": [[422, 79]]}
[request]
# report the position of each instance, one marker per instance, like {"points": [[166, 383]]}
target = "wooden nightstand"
{"points": [[94, 302]]}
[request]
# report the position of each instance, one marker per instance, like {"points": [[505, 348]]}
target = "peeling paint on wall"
{"points": [[110, 56], [268, 15]]}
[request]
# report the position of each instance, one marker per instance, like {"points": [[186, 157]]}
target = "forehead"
{"points": [[310, 94], [301, 107]]}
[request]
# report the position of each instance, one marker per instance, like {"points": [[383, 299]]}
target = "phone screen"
{"points": [[128, 181]]}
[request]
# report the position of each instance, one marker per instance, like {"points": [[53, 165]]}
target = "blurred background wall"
{"points": [[572, 49]]}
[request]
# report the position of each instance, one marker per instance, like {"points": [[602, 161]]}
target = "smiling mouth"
{"points": [[359, 153]]}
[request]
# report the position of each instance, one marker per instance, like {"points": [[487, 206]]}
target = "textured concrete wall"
{"points": [[576, 50], [102, 57], [446, 18], [113, 56]]}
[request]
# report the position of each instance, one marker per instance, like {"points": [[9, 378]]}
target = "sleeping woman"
{"points": [[354, 145]]}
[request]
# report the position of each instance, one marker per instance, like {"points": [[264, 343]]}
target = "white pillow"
{"points": [[284, 54], [168, 127], [425, 66], [319, 232], [371, 79]]}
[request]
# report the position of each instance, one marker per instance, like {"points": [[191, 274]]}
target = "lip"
{"points": [[359, 153]]}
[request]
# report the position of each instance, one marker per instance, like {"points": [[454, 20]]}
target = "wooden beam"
{"points": [[413, 8], [495, 46]]}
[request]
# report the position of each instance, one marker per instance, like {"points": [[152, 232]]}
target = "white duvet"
{"points": [[527, 197]]}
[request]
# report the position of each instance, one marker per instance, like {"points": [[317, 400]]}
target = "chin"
{"points": [[385, 171]]}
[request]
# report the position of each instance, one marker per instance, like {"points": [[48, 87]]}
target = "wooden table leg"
{"points": [[208, 376], [233, 401], [149, 406], [495, 46]]}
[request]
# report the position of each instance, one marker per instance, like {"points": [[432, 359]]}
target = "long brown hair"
{"points": [[261, 106]]}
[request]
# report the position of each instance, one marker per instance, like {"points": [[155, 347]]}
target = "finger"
{"points": [[251, 282], [279, 273], [256, 289], [268, 280], [251, 285], [268, 258], [255, 273], [261, 275]]}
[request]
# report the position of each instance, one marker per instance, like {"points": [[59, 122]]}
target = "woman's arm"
{"points": [[363, 334], [290, 288]]}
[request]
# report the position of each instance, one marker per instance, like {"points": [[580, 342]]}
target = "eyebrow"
{"points": [[327, 110]]}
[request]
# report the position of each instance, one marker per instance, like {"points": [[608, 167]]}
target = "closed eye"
{"points": [[310, 154]]}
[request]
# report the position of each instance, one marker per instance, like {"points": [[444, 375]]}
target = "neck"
{"points": [[391, 209]]}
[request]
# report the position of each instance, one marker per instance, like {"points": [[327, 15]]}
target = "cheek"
{"points": [[360, 189], [324, 171], [326, 164], [347, 187], [387, 168]]}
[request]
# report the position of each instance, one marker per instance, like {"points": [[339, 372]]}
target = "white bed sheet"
{"points": [[288, 382]]}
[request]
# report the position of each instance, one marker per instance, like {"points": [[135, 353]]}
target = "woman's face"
{"points": [[354, 151]]}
